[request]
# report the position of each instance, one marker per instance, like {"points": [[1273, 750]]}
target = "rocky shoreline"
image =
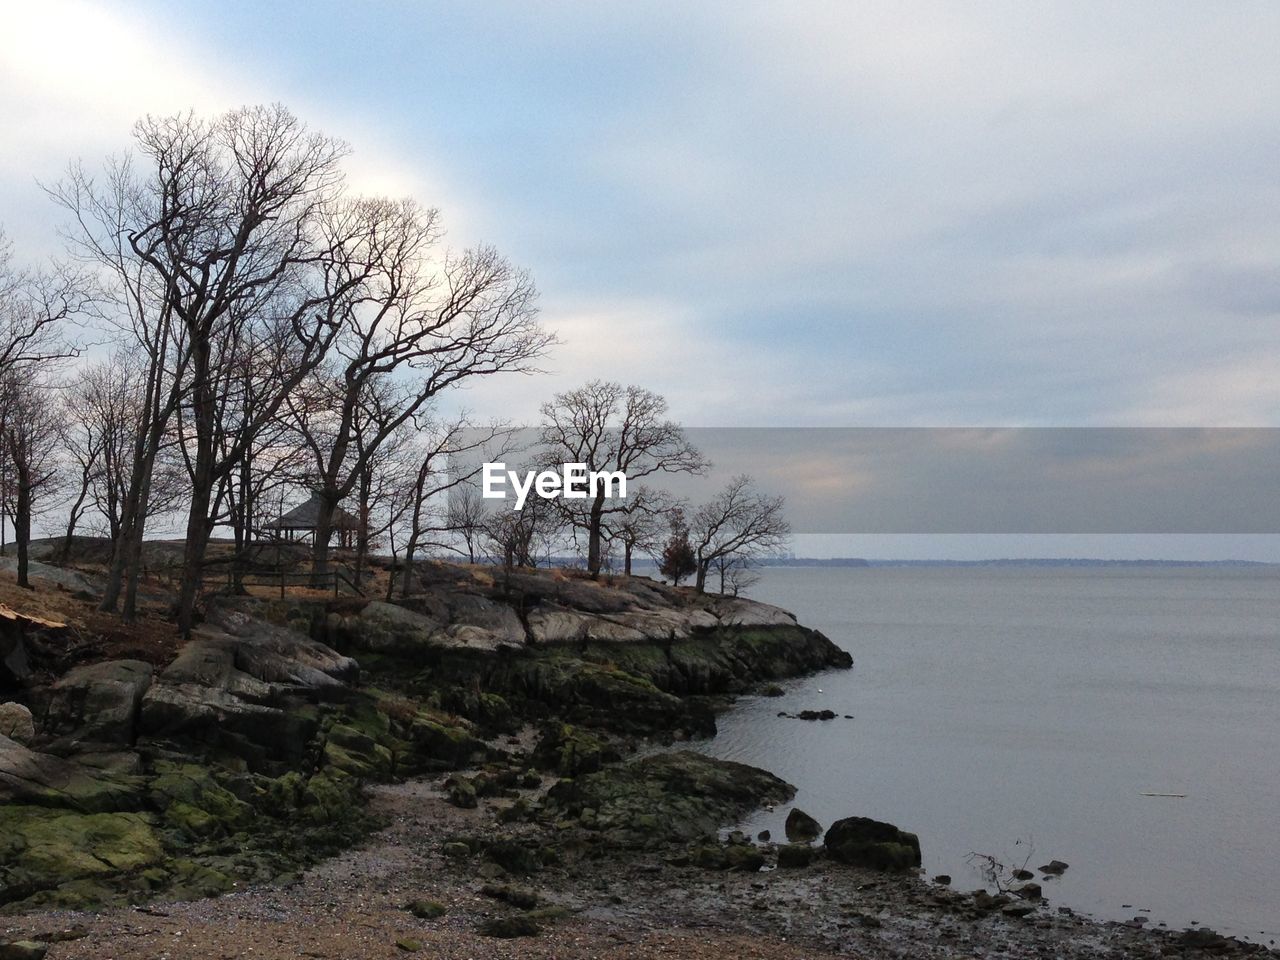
{"points": [[496, 757]]}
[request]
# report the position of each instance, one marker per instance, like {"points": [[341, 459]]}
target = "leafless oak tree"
{"points": [[610, 427], [446, 471], [641, 524], [34, 307], [423, 321], [232, 235], [739, 522], [30, 437]]}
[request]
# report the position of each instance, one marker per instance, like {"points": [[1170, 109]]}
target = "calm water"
{"points": [[1002, 710]]}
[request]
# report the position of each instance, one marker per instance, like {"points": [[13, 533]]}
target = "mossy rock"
{"points": [[461, 792], [43, 850], [664, 798], [23, 950], [427, 909], [357, 754], [191, 880], [455, 850], [192, 800], [738, 857], [508, 928], [571, 751], [792, 856], [517, 856], [434, 745]]}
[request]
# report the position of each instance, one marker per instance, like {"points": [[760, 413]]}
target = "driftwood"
{"points": [[21, 636], [27, 620]]}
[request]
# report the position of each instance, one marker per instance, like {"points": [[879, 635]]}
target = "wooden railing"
{"points": [[334, 579]]}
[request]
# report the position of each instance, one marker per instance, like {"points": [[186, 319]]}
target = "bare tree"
{"points": [[423, 322], [739, 522], [33, 311], [237, 240], [466, 519], [446, 471], [610, 427], [517, 538], [736, 573], [134, 301], [100, 410], [32, 445], [34, 307], [641, 524]]}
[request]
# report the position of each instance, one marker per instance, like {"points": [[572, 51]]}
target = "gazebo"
{"points": [[301, 522]]}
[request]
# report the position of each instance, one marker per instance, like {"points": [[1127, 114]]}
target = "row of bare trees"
{"points": [[34, 306], [611, 427], [274, 323], [269, 332]]}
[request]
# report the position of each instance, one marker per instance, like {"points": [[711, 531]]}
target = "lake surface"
{"points": [[1029, 711]]}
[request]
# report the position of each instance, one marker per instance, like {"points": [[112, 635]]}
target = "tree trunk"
{"points": [[198, 531], [133, 530], [22, 525], [701, 582], [119, 558], [203, 414], [323, 531], [133, 512], [240, 524], [408, 571], [626, 558], [73, 518], [593, 534], [362, 534]]}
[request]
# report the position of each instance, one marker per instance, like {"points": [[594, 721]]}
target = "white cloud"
{"points": [[75, 76]]}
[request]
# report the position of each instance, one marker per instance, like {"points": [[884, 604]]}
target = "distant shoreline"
{"points": [[841, 562]]}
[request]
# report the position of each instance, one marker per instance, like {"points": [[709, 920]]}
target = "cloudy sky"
{"points": [[801, 214]]}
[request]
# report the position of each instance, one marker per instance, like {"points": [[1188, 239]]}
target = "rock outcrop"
{"points": [[627, 656], [97, 703], [25, 640], [243, 757], [664, 798]]}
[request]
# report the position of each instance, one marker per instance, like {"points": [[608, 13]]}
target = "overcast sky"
{"points": [[805, 214]]}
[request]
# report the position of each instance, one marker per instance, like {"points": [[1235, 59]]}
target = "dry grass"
{"points": [[99, 635]]}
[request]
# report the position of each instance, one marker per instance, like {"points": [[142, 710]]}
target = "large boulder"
{"points": [[284, 657], [248, 690], [741, 612], [43, 780], [863, 842], [800, 827], [97, 702], [16, 722]]}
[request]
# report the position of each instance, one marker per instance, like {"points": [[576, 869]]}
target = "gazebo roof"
{"points": [[306, 516]]}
